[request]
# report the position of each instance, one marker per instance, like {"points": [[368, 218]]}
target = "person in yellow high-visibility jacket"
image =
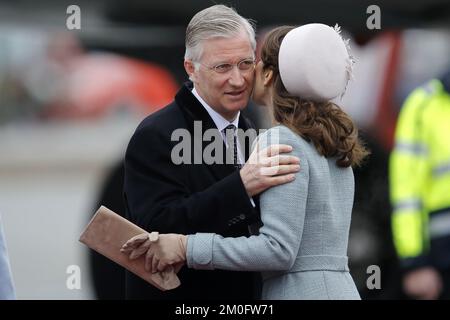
{"points": [[419, 174]]}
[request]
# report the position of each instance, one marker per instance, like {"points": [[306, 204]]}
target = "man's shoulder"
{"points": [[166, 119], [157, 127]]}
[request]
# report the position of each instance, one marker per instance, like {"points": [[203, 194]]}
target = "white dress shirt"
{"points": [[221, 123]]}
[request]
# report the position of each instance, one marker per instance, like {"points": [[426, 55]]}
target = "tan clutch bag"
{"points": [[107, 232]]}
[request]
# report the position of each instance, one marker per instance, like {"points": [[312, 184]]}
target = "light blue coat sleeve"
{"points": [[282, 214]]}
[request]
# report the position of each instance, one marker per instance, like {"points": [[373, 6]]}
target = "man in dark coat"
{"points": [[162, 194]]}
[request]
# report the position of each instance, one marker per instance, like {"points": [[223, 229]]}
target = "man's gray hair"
{"points": [[215, 21]]}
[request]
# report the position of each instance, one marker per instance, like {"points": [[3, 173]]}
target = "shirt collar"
{"points": [[220, 122]]}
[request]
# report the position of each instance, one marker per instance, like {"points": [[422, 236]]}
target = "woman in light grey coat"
{"points": [[301, 247]]}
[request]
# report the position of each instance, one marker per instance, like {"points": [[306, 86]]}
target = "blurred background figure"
{"points": [[6, 283], [420, 190]]}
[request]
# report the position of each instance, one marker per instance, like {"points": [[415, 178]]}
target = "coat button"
{"points": [[242, 216]]}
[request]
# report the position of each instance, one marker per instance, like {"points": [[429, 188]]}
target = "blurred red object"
{"points": [[96, 85]]}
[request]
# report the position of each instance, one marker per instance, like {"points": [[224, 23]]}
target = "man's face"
{"points": [[228, 92]]}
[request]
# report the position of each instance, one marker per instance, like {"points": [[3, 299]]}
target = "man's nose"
{"points": [[236, 77]]}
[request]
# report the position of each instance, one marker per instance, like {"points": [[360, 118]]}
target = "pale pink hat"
{"points": [[315, 62]]}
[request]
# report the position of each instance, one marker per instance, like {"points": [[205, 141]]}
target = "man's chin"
{"points": [[237, 103], [236, 106]]}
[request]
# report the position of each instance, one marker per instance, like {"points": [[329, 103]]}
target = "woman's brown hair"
{"points": [[330, 129]]}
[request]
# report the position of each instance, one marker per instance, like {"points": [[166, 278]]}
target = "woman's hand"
{"points": [[139, 245], [161, 250]]}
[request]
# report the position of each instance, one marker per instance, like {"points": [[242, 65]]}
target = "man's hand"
{"points": [[423, 283], [267, 168]]}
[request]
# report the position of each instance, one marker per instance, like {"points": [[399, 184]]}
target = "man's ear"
{"points": [[190, 69], [268, 77]]}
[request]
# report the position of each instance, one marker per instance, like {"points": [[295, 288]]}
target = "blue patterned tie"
{"points": [[231, 139]]}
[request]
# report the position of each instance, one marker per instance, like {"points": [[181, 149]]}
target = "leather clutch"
{"points": [[107, 232]]}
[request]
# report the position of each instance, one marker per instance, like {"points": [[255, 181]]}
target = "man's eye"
{"points": [[247, 63], [223, 67]]}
